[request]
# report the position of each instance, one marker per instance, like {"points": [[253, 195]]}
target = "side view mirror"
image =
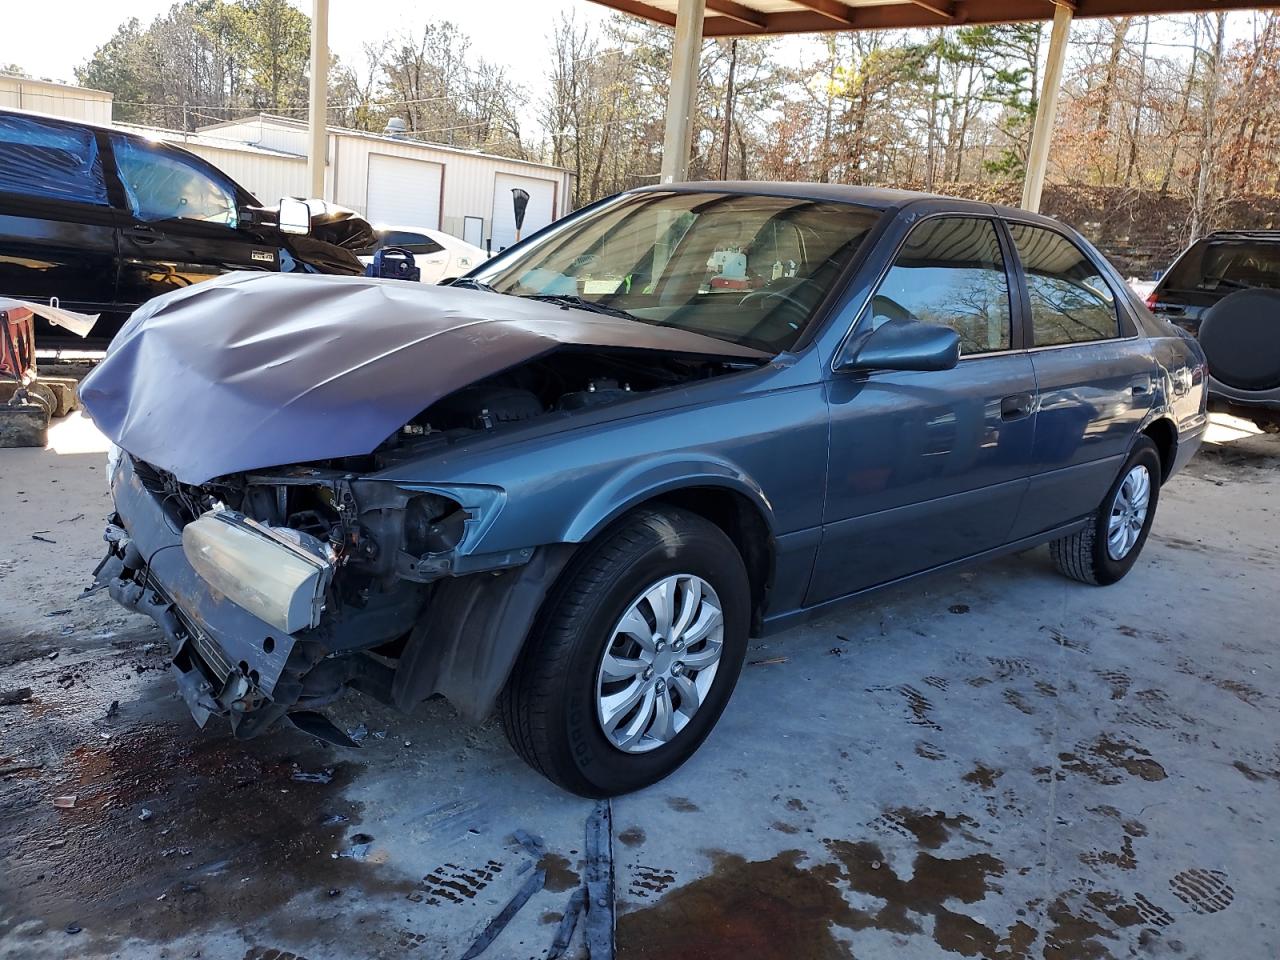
{"points": [[295, 217], [903, 345]]}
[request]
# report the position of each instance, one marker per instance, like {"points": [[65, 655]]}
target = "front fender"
{"points": [[645, 481]]}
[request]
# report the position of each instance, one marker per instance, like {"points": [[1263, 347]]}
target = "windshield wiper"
{"points": [[467, 283], [579, 303]]}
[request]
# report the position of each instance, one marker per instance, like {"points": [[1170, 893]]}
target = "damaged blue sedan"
{"points": [[574, 483]]}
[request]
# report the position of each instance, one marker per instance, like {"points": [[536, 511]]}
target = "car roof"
{"points": [[1243, 235], [877, 198]]}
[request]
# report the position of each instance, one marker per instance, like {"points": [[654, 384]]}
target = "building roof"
{"points": [[295, 123], [56, 85], [202, 140], [763, 17]]}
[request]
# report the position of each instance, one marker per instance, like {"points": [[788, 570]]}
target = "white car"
{"points": [[437, 254]]}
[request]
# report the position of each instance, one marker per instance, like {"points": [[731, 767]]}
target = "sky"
{"points": [[510, 32]]}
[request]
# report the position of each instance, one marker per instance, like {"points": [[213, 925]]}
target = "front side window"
{"points": [[50, 161], [1070, 300], [950, 271], [162, 185], [748, 269]]}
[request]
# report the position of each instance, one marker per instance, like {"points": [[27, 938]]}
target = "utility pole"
{"points": [[318, 121], [728, 109]]}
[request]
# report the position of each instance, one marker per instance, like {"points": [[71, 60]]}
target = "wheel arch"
{"points": [[714, 489], [1162, 432]]}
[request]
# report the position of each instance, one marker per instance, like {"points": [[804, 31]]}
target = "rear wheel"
{"points": [[1104, 551], [635, 658]]}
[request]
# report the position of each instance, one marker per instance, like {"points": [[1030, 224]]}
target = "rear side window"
{"points": [[1070, 301], [950, 271], [418, 243], [1221, 266], [50, 161], [162, 185]]}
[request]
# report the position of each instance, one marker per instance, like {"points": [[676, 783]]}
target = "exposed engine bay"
{"points": [[380, 539]]}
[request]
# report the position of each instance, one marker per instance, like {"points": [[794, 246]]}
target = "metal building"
{"points": [[58, 99], [389, 179]]}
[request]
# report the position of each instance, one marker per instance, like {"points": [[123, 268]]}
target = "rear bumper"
{"points": [[225, 660]]}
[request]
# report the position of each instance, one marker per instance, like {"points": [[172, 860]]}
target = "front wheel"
{"points": [[1107, 548], [635, 658]]}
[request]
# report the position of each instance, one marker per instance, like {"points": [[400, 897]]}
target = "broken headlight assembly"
{"points": [[279, 575], [443, 524]]}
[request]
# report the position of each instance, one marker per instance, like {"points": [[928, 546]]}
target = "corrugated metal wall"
{"points": [[75, 103], [468, 178], [468, 182], [268, 178]]}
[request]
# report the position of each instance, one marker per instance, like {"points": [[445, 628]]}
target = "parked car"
{"points": [[102, 220], [1225, 289], [579, 506], [438, 255]]}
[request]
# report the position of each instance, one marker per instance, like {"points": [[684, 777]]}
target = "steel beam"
{"points": [[318, 115], [682, 94], [1042, 135]]}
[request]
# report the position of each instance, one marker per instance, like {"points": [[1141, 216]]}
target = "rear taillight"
{"points": [[1152, 300]]}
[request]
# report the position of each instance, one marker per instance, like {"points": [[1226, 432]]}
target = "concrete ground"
{"points": [[998, 763]]}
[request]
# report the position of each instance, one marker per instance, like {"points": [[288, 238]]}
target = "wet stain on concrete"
{"points": [[1203, 890], [1015, 699], [560, 874], [785, 827], [458, 884], [767, 910], [929, 829], [631, 837], [682, 805], [1101, 759], [930, 751], [983, 776], [781, 908], [227, 823], [648, 882]]}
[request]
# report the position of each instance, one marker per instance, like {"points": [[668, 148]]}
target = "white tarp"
{"points": [[78, 323]]}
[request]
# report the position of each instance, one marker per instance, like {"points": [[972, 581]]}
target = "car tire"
{"points": [[1090, 555], [554, 706]]}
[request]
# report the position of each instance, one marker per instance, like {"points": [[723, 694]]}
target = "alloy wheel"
{"points": [[659, 663]]}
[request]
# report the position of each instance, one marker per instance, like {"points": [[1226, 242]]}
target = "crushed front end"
{"points": [[278, 590]]}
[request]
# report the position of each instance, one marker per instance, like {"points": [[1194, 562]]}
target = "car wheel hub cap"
{"points": [[659, 663], [1128, 512]]}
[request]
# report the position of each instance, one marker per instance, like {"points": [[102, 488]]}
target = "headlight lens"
{"points": [[278, 576]]}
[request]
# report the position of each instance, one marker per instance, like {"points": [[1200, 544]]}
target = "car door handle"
{"points": [[1141, 389], [142, 234], [1015, 406]]}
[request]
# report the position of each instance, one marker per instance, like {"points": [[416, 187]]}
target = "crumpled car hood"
{"points": [[253, 370]]}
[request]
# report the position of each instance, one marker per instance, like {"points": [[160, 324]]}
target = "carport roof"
{"points": [[726, 18]]}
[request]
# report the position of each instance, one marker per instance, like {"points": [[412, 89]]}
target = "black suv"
{"points": [[1225, 289], [103, 220]]}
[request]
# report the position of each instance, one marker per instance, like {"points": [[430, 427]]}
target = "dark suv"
{"points": [[104, 220], [1225, 289]]}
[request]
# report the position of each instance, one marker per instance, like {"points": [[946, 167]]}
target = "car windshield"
{"points": [[1227, 265], [743, 268]]}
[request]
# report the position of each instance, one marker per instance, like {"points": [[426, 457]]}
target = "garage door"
{"points": [[540, 212], [403, 192]]}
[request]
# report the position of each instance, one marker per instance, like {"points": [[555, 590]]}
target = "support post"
{"points": [[1042, 134], [682, 95], [318, 116]]}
